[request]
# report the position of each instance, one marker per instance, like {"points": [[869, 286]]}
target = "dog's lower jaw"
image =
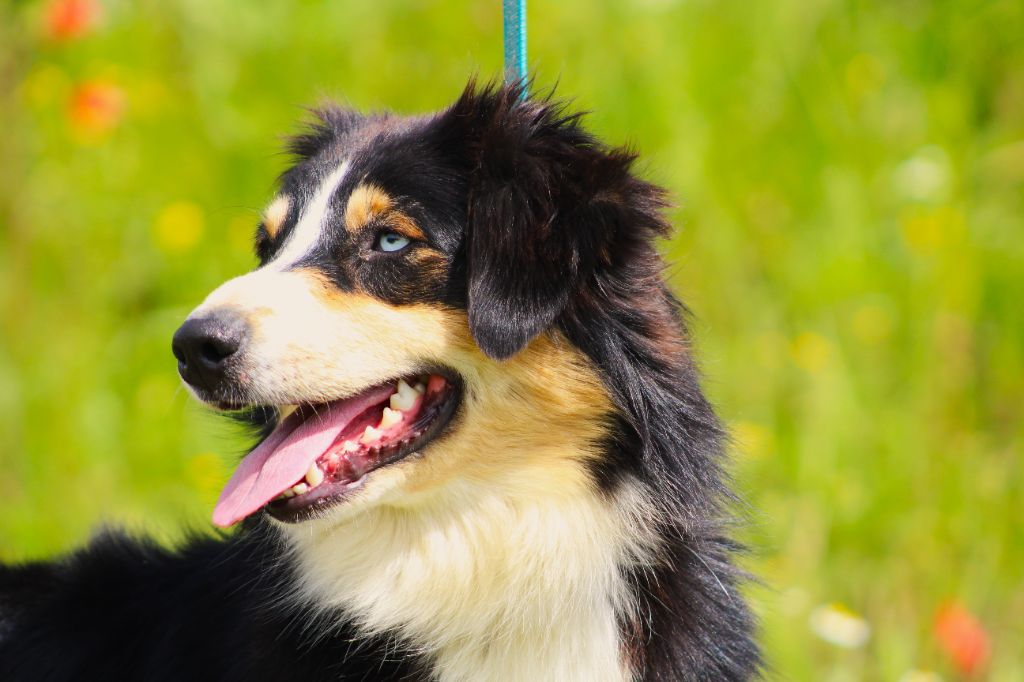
{"points": [[491, 587]]}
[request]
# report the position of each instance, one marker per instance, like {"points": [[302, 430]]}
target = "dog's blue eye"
{"points": [[392, 241]]}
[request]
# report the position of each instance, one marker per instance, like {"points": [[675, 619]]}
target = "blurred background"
{"points": [[849, 179]]}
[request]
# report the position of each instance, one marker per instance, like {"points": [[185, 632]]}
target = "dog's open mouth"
{"points": [[319, 453]]}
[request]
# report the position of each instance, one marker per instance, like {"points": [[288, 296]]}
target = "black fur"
{"points": [[217, 609], [532, 224]]}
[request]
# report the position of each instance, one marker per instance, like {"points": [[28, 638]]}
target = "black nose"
{"points": [[205, 347]]}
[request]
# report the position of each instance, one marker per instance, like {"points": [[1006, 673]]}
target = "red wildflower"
{"points": [[963, 639], [69, 19], [96, 107]]}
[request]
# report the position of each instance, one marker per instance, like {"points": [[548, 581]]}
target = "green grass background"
{"points": [[849, 177]]}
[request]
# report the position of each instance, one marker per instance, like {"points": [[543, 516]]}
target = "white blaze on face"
{"points": [[288, 355], [311, 223]]}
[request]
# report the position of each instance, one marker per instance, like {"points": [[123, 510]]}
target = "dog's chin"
{"points": [[323, 459]]}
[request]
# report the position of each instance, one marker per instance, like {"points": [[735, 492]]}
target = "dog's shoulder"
{"points": [[215, 608]]}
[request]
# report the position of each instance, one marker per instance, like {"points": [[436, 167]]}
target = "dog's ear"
{"points": [[545, 202]]}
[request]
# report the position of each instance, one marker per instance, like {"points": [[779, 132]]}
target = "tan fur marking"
{"points": [[369, 202], [365, 203], [402, 223], [275, 213]]}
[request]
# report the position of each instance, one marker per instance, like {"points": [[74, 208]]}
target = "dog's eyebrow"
{"points": [[368, 202], [275, 213], [365, 203], [311, 221]]}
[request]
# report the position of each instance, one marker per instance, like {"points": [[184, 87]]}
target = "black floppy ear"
{"points": [[544, 207]]}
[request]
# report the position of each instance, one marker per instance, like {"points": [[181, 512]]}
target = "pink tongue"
{"points": [[284, 457]]}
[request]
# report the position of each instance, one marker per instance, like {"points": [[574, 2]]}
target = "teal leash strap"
{"points": [[514, 12]]}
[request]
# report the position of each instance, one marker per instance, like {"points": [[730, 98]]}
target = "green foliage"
{"points": [[849, 178]]}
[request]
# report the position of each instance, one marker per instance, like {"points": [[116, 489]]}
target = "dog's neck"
{"points": [[522, 583]]}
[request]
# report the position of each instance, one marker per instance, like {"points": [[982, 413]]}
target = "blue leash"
{"points": [[514, 12]]}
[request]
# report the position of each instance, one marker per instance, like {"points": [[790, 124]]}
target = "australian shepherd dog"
{"points": [[483, 454]]}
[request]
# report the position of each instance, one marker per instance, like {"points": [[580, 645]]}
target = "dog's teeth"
{"points": [[314, 476], [300, 488], [350, 446], [370, 435], [405, 388], [403, 400], [389, 418], [288, 493]]}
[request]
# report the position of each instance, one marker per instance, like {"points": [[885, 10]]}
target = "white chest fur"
{"points": [[494, 587]]}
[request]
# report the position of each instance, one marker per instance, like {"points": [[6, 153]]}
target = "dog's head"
{"points": [[402, 323]]}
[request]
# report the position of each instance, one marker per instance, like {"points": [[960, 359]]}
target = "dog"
{"points": [[484, 453]]}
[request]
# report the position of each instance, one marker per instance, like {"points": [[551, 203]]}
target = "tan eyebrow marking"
{"points": [[275, 213], [368, 202], [406, 225], [365, 202]]}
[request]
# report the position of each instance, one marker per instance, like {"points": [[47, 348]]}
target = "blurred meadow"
{"points": [[849, 179]]}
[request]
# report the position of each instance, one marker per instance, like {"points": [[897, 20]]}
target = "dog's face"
{"points": [[409, 268]]}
